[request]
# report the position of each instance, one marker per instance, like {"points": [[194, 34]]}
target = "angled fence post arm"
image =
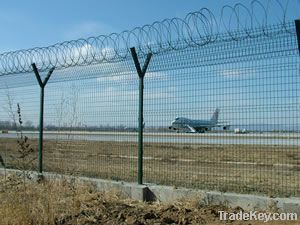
{"points": [[141, 73], [48, 76], [37, 75], [41, 120], [136, 62], [297, 23], [146, 64]]}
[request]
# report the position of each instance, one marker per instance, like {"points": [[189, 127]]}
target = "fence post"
{"points": [[41, 126], [141, 73], [297, 23]]}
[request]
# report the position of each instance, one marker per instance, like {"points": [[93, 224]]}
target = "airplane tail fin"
{"points": [[215, 116]]}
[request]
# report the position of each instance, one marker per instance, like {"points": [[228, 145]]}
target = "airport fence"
{"points": [[180, 102]]}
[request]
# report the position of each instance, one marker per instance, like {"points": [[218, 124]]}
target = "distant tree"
{"points": [[28, 124]]}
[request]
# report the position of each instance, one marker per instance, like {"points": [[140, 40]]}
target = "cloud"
{"points": [[82, 51], [133, 76], [115, 94], [237, 73], [151, 95], [232, 73], [88, 29]]}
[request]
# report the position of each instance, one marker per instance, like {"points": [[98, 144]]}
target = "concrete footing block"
{"points": [[247, 202], [141, 193], [167, 194], [288, 205]]}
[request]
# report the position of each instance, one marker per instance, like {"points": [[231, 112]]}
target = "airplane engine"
{"points": [[225, 127]]}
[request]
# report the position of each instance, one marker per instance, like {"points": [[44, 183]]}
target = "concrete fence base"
{"points": [[167, 194]]}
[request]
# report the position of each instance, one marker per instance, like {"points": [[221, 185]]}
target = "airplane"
{"points": [[197, 126]]}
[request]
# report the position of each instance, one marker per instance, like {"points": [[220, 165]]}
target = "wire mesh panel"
{"points": [[91, 119], [233, 114], [221, 111], [11, 123]]}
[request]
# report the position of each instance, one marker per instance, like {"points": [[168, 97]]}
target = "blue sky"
{"points": [[31, 23], [236, 88]]}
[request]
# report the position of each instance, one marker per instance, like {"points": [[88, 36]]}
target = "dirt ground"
{"points": [[264, 169], [68, 202]]}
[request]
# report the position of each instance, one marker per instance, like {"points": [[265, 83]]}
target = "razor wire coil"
{"points": [[196, 29]]}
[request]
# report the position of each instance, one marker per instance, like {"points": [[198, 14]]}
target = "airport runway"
{"points": [[290, 139]]}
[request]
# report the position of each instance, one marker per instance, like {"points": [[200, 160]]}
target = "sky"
{"points": [[246, 91], [32, 23]]}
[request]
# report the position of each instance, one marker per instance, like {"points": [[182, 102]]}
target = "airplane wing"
{"points": [[191, 129], [223, 122]]}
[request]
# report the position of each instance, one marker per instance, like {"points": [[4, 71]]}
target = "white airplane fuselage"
{"points": [[194, 126], [182, 123]]}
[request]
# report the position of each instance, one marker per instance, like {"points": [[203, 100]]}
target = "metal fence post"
{"points": [[141, 74], [297, 23], [41, 126]]}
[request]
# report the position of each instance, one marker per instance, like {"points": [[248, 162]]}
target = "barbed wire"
{"points": [[196, 29]]}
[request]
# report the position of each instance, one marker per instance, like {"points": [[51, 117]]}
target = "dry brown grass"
{"points": [[62, 202], [41, 203], [272, 170]]}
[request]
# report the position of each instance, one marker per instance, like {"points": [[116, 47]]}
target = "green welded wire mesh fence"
{"points": [[221, 110]]}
